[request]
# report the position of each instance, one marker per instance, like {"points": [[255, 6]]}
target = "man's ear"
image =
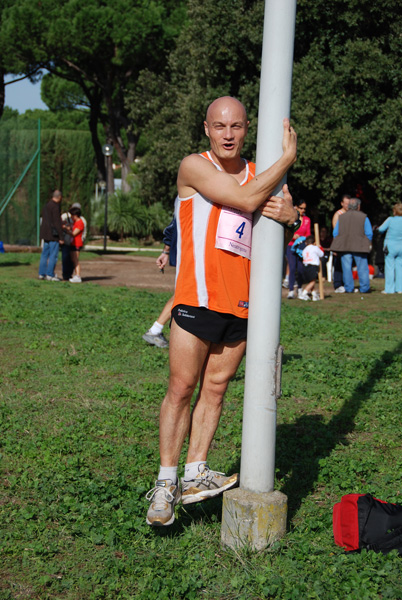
{"points": [[206, 129]]}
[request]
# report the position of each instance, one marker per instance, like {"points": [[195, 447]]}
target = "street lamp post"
{"points": [[107, 150]]}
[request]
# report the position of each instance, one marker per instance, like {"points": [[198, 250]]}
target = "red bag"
{"points": [[361, 521]]}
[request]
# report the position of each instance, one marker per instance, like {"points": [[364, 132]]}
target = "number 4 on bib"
{"points": [[240, 229]]}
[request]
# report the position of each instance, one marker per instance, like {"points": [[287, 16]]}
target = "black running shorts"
{"points": [[310, 273], [210, 325]]}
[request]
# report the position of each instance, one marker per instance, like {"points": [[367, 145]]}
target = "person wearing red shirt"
{"points": [[76, 244], [294, 261]]}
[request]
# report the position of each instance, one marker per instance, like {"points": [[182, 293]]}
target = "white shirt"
{"points": [[312, 255]]}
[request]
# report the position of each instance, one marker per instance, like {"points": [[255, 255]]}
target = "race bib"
{"points": [[234, 231]]}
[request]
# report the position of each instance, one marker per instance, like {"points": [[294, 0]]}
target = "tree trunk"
{"points": [[93, 127]]}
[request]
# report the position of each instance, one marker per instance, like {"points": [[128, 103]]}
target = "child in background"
{"points": [[311, 261], [76, 243]]}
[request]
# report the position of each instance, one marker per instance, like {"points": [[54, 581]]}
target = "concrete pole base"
{"points": [[253, 520]]}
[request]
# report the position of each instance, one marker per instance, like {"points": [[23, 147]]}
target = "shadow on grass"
{"points": [[15, 263], [302, 445], [97, 278]]}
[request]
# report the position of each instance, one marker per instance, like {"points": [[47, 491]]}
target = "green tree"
{"points": [[128, 215], [217, 53], [347, 103], [346, 96], [100, 48], [67, 160]]}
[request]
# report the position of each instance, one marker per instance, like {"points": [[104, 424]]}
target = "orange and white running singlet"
{"points": [[208, 274]]}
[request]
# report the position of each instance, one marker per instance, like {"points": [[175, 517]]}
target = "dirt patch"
{"points": [[142, 272], [126, 271]]}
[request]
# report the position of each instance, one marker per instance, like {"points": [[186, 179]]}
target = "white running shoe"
{"points": [[315, 296], [207, 484], [291, 295], [55, 278], [157, 339], [340, 290], [163, 498], [75, 279], [303, 295]]}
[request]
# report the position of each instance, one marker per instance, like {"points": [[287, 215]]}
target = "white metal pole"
{"points": [[259, 420]]}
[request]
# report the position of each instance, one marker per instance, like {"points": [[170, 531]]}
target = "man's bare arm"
{"points": [[280, 209], [199, 175]]}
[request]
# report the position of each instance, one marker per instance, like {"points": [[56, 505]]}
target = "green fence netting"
{"points": [[19, 155], [66, 160]]}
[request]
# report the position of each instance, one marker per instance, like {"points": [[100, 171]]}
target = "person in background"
{"points": [[311, 261], [295, 262], [352, 238], [51, 232], [76, 243], [325, 243], [338, 280], [66, 262], [83, 219], [393, 250], [154, 335]]}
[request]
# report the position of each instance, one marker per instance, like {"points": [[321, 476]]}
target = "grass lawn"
{"points": [[79, 400]]}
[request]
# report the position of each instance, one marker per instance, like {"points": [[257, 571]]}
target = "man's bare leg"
{"points": [[221, 365], [187, 356], [200, 482], [166, 312]]}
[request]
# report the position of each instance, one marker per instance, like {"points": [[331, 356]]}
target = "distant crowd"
{"points": [[347, 250], [66, 231]]}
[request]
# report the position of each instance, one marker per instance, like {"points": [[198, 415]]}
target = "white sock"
{"points": [[156, 328], [191, 470], [168, 473]]}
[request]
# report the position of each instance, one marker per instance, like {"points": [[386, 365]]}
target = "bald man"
{"points": [[217, 195]]}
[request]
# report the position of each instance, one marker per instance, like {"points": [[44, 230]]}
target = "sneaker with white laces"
{"points": [[157, 339], [207, 484], [285, 284], [75, 279], [291, 295], [303, 295], [340, 290], [163, 498], [315, 296], [41, 277], [50, 278]]}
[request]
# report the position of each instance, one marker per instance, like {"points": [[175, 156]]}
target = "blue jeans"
{"points": [[295, 268], [393, 268], [338, 279], [362, 271], [48, 259]]}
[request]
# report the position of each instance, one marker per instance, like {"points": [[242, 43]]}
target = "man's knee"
{"points": [[180, 390]]}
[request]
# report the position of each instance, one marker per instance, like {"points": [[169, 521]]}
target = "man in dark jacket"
{"points": [[51, 232], [352, 238]]}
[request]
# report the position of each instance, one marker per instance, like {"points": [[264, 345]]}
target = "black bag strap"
{"points": [[370, 501], [387, 542]]}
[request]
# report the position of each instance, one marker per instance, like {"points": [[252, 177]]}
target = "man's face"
{"points": [[226, 126], [345, 203]]}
